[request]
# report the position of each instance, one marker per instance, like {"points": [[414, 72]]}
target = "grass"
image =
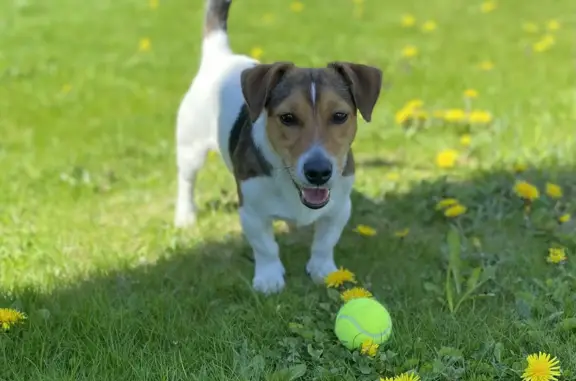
{"points": [[114, 292]]}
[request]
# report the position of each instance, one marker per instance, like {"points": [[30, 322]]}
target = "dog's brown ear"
{"points": [[258, 81], [365, 83]]}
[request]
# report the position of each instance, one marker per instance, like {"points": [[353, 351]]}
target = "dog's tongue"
{"points": [[315, 195]]}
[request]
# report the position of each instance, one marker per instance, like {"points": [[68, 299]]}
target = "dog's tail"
{"points": [[216, 25]]}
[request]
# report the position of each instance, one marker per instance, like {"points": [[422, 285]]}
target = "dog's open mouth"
{"points": [[314, 198]]}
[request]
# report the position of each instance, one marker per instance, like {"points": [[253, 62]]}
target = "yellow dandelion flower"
{"points": [[556, 255], [544, 43], [454, 115], [553, 25], [520, 167], [365, 230], [268, 18], [408, 20], [339, 277], [403, 115], [488, 6], [402, 233], [429, 26], [297, 6], [541, 367], [466, 140], [10, 317], [471, 93], [486, 65], [409, 51], [455, 210], [446, 158], [530, 27], [564, 218], [479, 116], [408, 376], [526, 190], [144, 45], [369, 348], [553, 190], [414, 104], [256, 52], [355, 293], [445, 203], [153, 4], [393, 176]]}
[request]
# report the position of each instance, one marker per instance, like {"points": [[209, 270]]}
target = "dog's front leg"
{"points": [[327, 231], [268, 271]]}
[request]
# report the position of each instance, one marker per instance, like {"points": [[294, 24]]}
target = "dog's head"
{"points": [[312, 117]]}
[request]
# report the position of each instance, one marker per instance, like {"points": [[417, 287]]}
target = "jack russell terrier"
{"points": [[285, 132]]}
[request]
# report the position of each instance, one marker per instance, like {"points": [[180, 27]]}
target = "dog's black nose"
{"points": [[318, 171]]}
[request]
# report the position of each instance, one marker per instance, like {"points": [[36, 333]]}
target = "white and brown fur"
{"points": [[272, 123]]}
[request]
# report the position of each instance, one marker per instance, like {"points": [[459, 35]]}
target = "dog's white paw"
{"points": [[269, 278], [318, 267], [184, 219]]}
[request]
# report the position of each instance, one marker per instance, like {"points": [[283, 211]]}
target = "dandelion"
{"points": [[530, 27], [544, 43], [402, 233], [446, 158], [408, 20], [556, 255], [553, 190], [479, 116], [429, 26], [564, 218], [296, 7], [338, 277], [365, 230], [445, 203], [455, 211], [520, 167], [369, 348], [256, 52], [408, 376], [466, 140], [541, 367], [144, 45], [486, 65], [526, 190], [414, 104], [454, 115], [393, 176], [553, 25], [488, 6], [409, 51], [355, 293], [10, 317], [153, 4], [471, 93]]}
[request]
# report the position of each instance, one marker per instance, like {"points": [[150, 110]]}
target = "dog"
{"points": [[285, 133]]}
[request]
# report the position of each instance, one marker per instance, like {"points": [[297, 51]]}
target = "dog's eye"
{"points": [[288, 119], [339, 118]]}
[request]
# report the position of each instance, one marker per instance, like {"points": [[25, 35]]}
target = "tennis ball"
{"points": [[362, 319]]}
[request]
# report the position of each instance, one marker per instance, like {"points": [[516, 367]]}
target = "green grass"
{"points": [[114, 292]]}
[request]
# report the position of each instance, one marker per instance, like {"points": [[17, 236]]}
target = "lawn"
{"points": [[112, 291]]}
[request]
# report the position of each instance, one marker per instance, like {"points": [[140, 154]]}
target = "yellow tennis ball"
{"points": [[362, 319]]}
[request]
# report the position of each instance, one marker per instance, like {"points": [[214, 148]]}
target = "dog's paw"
{"points": [[269, 278], [318, 268], [184, 220]]}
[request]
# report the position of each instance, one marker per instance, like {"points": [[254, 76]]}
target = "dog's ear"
{"points": [[258, 81], [365, 83]]}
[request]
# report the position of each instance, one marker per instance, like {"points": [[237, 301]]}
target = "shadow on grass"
{"points": [[192, 313]]}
